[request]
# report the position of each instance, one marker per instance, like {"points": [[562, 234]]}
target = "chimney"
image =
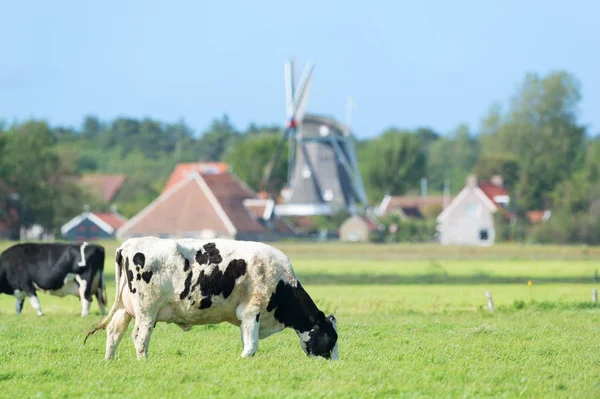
{"points": [[471, 181], [497, 180]]}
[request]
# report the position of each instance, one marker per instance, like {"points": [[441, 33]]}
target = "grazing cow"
{"points": [[190, 282], [54, 268]]}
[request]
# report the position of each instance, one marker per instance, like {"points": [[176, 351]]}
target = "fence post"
{"points": [[594, 295], [490, 302]]}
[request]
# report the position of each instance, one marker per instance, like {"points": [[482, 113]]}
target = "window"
{"points": [[483, 235], [473, 209]]}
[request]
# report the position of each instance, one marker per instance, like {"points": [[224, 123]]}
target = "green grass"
{"points": [[413, 322]]}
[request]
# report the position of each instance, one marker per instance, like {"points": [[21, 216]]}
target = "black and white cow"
{"points": [[190, 282], [54, 268]]}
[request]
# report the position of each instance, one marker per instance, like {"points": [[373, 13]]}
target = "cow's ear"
{"points": [[331, 317]]}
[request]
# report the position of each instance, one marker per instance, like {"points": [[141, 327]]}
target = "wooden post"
{"points": [[594, 295], [490, 302]]}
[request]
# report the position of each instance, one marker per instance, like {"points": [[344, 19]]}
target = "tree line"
{"points": [[547, 158]]}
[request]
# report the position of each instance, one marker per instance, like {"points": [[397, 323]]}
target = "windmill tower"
{"points": [[323, 175]]}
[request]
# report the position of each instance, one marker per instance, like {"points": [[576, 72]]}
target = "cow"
{"points": [[57, 269], [191, 282]]}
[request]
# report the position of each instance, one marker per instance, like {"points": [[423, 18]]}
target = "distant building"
{"points": [[469, 218], [538, 216], [409, 206], [103, 186], [206, 200], [90, 226], [360, 229]]}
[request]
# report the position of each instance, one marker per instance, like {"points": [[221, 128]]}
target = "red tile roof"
{"points": [[492, 190], [182, 170], [538, 216], [102, 185], [184, 209], [114, 220], [230, 194]]}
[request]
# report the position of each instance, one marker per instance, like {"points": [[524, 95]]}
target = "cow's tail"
{"points": [[119, 283]]}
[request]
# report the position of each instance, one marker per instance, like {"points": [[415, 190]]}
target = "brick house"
{"points": [[206, 200]]}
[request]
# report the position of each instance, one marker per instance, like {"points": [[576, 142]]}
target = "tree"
{"points": [[392, 163], [35, 178], [250, 156], [452, 158], [220, 137], [504, 165], [540, 130]]}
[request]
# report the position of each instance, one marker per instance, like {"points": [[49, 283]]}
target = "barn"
{"points": [[207, 200], [89, 226]]}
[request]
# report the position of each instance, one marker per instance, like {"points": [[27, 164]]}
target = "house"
{"points": [[204, 200], [103, 186], [411, 206], [538, 216], [359, 228], [90, 226], [469, 218]]}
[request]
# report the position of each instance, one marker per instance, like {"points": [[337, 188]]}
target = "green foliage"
{"points": [[392, 163], [409, 230], [540, 130], [35, 177], [452, 158], [500, 164], [250, 156]]}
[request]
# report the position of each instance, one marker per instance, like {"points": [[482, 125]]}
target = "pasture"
{"points": [[412, 319]]}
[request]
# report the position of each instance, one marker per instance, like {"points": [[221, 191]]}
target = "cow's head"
{"points": [[321, 340]]}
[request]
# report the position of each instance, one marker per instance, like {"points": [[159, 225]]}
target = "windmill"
{"points": [[322, 172]]}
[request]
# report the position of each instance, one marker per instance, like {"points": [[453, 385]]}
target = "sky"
{"points": [[406, 64]]}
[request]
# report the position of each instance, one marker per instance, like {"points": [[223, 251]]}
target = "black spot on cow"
{"points": [[201, 258], [186, 264], [129, 274], [186, 287], [138, 277], [214, 255], [137, 268], [205, 303], [257, 317], [119, 260], [139, 260], [219, 282], [119, 257], [147, 276], [294, 308], [211, 255]]}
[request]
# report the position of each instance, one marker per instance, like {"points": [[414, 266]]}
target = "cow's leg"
{"points": [[101, 302], [35, 303], [85, 295], [144, 324], [115, 331], [250, 325], [20, 296]]}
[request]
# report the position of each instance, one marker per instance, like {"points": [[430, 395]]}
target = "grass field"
{"points": [[412, 319]]}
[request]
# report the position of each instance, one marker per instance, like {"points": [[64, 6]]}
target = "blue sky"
{"points": [[407, 64]]}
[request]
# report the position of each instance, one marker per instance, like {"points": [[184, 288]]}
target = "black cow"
{"points": [[54, 268]]}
